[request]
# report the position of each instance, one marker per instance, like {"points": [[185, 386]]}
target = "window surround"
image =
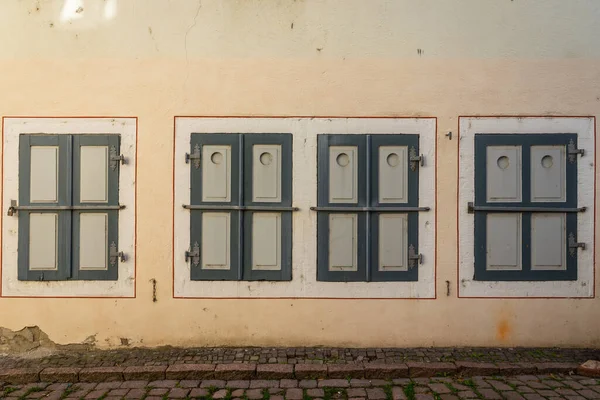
{"points": [[304, 246], [584, 127], [12, 128]]}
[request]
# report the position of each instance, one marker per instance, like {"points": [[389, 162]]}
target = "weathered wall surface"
{"points": [[163, 58]]}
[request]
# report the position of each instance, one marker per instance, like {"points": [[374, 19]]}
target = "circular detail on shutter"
{"points": [[342, 159]]}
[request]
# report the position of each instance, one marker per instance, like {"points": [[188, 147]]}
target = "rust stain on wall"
{"points": [[503, 329]]}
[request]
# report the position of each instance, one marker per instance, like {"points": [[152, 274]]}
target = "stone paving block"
{"points": [[525, 389], [401, 381], [376, 394], [153, 398], [101, 374], [356, 392], [262, 384], [537, 385], [294, 394], [18, 376], [468, 368], [310, 371], [234, 371], [512, 395], [533, 396], [386, 371], [547, 393], [163, 383], [60, 374], [589, 394], [315, 392], [307, 383], [333, 383], [135, 394], [490, 394], [118, 392], [275, 390], [425, 369], [288, 383], [274, 371], [219, 394], [238, 384], [499, 385], [108, 385], [134, 384], [439, 388], [398, 393], [147, 373], [565, 391], [219, 384], [197, 392], [554, 367], [573, 384], [190, 371], [158, 391], [448, 397], [276, 398], [360, 383], [345, 371], [467, 394], [237, 393], [255, 394], [422, 396], [95, 394], [575, 398], [515, 368]]}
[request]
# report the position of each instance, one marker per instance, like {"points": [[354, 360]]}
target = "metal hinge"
{"points": [[115, 255], [194, 156], [194, 255], [115, 158], [573, 151], [415, 160], [573, 245], [413, 257]]}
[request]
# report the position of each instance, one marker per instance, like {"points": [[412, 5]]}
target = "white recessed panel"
{"points": [[393, 242], [44, 174], [216, 241], [94, 174], [43, 241], [343, 238], [266, 241], [93, 241]]}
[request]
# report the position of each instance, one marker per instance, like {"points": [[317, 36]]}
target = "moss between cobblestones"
{"points": [[388, 391], [331, 393], [31, 390], [266, 395], [409, 391]]}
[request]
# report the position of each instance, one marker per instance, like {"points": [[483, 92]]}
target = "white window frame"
{"points": [[584, 127], [304, 282], [12, 128]]}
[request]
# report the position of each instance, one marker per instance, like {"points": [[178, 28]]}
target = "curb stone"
{"points": [[332, 372]]}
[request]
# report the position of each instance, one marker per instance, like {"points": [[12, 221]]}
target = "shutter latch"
{"points": [[573, 245], [12, 209], [195, 156], [115, 255], [415, 160], [194, 255], [413, 257], [115, 158], [573, 151]]}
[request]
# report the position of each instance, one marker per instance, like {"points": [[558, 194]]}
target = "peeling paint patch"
{"points": [[26, 340]]}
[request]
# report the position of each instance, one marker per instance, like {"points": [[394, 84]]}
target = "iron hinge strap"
{"points": [[371, 209], [471, 208], [14, 208], [115, 158], [194, 156], [574, 245], [413, 257], [193, 254], [415, 159], [573, 151], [115, 255]]}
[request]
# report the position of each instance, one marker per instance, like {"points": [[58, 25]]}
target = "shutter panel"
{"points": [[394, 183], [514, 173], [44, 180], [96, 185], [267, 184], [215, 181], [342, 235]]}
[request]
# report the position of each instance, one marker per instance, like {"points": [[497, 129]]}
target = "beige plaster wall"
{"points": [[160, 58]]}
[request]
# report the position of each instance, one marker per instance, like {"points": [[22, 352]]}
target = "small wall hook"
{"points": [[449, 135]]}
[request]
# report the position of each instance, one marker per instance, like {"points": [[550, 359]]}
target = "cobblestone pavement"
{"points": [[316, 355], [520, 387]]}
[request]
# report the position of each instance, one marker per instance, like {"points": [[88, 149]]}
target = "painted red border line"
{"points": [[304, 298], [134, 212], [458, 211]]}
